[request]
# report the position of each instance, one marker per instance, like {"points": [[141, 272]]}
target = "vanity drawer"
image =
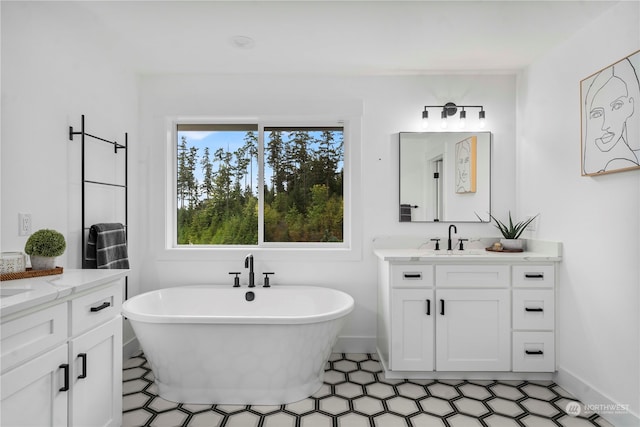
{"points": [[534, 276], [533, 352], [29, 335], [533, 309], [95, 308], [411, 275], [491, 276]]}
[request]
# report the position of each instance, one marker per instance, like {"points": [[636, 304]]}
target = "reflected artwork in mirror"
{"points": [[445, 176]]}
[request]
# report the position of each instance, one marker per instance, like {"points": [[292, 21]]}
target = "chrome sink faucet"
{"points": [[248, 263], [455, 230]]}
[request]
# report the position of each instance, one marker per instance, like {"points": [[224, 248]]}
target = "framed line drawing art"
{"points": [[610, 118], [466, 165]]}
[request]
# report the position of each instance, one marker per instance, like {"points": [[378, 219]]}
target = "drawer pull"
{"points": [[534, 275], [442, 307], [428, 307], [534, 309], [412, 276], [100, 307], [534, 351], [65, 367], [83, 356]]}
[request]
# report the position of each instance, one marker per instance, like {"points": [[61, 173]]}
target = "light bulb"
{"points": [[443, 122], [425, 119], [482, 119], [463, 119]]}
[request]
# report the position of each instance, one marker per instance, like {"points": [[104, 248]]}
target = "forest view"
{"points": [[217, 186]]}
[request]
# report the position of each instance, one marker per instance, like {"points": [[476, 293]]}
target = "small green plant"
{"points": [[512, 231], [45, 243]]}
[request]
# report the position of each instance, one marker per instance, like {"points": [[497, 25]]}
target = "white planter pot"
{"points": [[42, 262], [512, 244]]}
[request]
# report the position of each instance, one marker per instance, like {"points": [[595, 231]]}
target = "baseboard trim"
{"points": [[616, 413], [354, 344]]}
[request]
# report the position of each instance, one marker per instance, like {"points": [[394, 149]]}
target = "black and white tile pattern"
{"points": [[356, 394]]}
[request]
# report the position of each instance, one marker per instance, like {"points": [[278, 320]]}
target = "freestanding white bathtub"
{"points": [[264, 346]]}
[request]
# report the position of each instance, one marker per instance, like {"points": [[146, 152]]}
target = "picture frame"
{"points": [[465, 162], [610, 118]]}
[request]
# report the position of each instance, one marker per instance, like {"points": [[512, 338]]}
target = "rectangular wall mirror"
{"points": [[445, 176]]}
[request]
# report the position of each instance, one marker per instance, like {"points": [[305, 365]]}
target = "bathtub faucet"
{"points": [[248, 263]]}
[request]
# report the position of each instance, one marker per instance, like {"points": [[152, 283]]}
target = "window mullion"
{"points": [[260, 184]]}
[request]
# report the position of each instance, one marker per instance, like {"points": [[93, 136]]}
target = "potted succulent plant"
{"points": [[511, 232], [43, 247]]}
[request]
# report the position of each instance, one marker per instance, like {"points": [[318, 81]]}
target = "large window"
{"points": [[253, 185]]}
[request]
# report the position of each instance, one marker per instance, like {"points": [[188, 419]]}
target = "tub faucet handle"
{"points": [[266, 280], [437, 244], [236, 280], [461, 241]]}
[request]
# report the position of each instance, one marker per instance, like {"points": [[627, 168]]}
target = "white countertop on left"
{"points": [[21, 294]]}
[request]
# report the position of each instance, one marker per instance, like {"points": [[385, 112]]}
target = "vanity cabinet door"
{"points": [[96, 393], [473, 330], [412, 330], [36, 393]]}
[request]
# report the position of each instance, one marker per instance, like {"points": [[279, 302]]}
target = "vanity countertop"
{"points": [[537, 251], [429, 255], [22, 294]]}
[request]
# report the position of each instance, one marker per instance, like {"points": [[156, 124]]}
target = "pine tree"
{"points": [[207, 185]]}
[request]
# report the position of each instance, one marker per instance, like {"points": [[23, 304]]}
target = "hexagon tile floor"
{"points": [[356, 394]]}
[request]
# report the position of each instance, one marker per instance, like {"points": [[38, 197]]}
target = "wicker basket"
{"points": [[30, 273]]}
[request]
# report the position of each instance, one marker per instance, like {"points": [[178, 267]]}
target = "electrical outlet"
{"points": [[533, 225], [24, 224]]}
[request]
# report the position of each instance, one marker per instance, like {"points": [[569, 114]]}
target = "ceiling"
{"points": [[336, 37]]}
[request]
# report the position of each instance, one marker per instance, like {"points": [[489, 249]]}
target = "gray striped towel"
{"points": [[107, 246]]}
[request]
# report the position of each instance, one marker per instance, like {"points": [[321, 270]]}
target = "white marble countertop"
{"points": [[22, 294], [479, 255], [537, 251]]}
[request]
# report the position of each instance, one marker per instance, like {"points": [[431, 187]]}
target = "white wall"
{"points": [[597, 218], [50, 77], [56, 66], [386, 105]]}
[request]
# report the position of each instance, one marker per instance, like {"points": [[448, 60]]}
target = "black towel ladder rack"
{"points": [[84, 135]]}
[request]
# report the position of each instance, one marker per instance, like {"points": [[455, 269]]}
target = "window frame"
{"points": [[349, 243]]}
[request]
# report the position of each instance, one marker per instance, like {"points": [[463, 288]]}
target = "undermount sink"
{"points": [[9, 292]]}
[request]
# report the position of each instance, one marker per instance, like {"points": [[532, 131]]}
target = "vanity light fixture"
{"points": [[450, 109]]}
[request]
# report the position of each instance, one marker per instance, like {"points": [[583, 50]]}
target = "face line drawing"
{"points": [[463, 167], [610, 103]]}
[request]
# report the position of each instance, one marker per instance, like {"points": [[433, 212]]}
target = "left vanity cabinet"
{"points": [[62, 359]]}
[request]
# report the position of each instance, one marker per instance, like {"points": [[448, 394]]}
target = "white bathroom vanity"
{"points": [[471, 314], [61, 340]]}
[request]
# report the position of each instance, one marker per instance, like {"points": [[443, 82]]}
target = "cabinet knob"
{"points": [[442, 307], [536, 309], [428, 307], [534, 352]]}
